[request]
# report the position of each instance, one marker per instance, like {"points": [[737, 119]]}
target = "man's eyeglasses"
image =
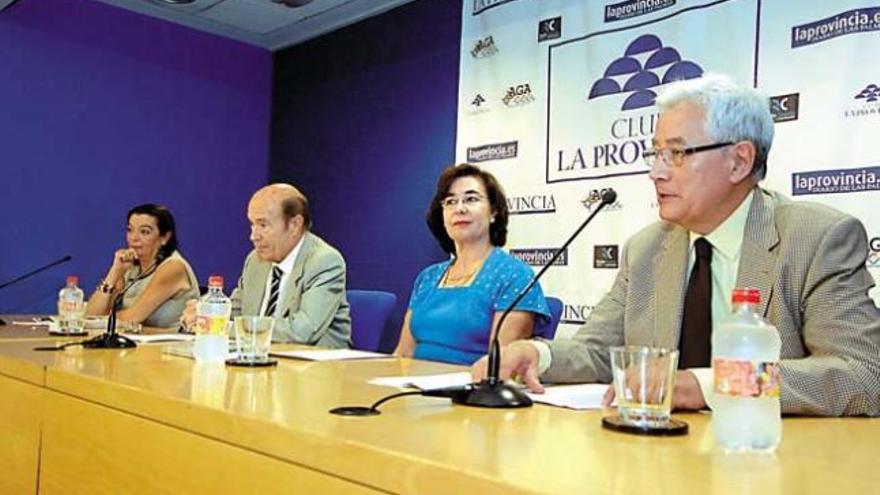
{"points": [[468, 200], [674, 157]]}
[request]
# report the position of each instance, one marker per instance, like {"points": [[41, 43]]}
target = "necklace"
{"points": [[460, 279], [463, 279]]}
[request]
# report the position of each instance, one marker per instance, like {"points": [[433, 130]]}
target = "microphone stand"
{"points": [[31, 273], [492, 391], [110, 339]]}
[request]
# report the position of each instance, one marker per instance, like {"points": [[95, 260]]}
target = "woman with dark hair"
{"points": [[156, 279], [455, 305]]}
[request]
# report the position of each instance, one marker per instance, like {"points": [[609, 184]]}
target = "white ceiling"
{"points": [[266, 23]]}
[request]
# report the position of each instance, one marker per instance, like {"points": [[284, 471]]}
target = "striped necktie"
{"points": [[272, 303]]}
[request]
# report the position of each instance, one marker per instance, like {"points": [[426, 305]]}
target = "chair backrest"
{"points": [[548, 329], [370, 311]]}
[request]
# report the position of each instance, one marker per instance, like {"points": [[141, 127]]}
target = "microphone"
{"points": [[492, 391], [31, 273]]}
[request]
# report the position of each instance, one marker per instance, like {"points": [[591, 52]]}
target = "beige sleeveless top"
{"points": [[168, 313]]}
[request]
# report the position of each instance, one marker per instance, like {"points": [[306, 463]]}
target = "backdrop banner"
{"points": [[556, 99]]}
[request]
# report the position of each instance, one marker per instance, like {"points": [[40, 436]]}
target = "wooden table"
{"points": [[143, 421]]}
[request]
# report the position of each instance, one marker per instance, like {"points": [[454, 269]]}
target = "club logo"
{"points": [[874, 253], [484, 48], [785, 107], [605, 256], [518, 95], [634, 8], [870, 94], [594, 197], [865, 103], [540, 256], [481, 6], [495, 151], [849, 22], [601, 88], [550, 29], [835, 181], [627, 75], [478, 104]]}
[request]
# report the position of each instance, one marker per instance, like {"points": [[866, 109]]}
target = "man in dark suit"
{"points": [[709, 153]]}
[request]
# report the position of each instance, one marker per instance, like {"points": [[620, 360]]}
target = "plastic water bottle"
{"points": [[71, 309], [746, 414], [212, 317]]}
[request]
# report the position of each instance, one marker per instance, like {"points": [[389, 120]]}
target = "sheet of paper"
{"points": [[159, 337], [31, 323], [185, 349], [96, 322], [580, 396], [424, 382], [90, 322], [328, 354]]}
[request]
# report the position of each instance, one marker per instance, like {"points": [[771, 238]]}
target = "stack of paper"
{"points": [[581, 396], [159, 338]]}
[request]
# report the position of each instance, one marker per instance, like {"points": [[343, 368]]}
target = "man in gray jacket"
{"points": [[709, 153], [292, 274]]}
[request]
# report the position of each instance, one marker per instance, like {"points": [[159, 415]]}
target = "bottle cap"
{"points": [[749, 295], [215, 281], [72, 280]]}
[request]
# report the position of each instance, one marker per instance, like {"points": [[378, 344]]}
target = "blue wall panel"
{"points": [[102, 109], [364, 121]]}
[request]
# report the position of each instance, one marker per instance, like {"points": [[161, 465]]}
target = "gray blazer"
{"points": [[808, 260], [313, 306]]}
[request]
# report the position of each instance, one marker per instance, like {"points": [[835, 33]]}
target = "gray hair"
{"points": [[733, 113]]}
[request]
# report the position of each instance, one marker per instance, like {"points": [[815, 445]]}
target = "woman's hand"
{"points": [[123, 259]]}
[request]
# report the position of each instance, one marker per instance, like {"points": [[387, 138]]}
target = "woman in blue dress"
{"points": [[455, 305]]}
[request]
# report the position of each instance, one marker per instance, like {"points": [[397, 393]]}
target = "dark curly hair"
{"points": [[494, 193], [165, 222]]}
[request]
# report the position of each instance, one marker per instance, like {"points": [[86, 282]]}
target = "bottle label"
{"points": [[210, 325], [69, 306], [736, 378]]}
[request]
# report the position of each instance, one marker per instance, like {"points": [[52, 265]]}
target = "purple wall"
{"points": [[102, 109], [364, 121]]}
